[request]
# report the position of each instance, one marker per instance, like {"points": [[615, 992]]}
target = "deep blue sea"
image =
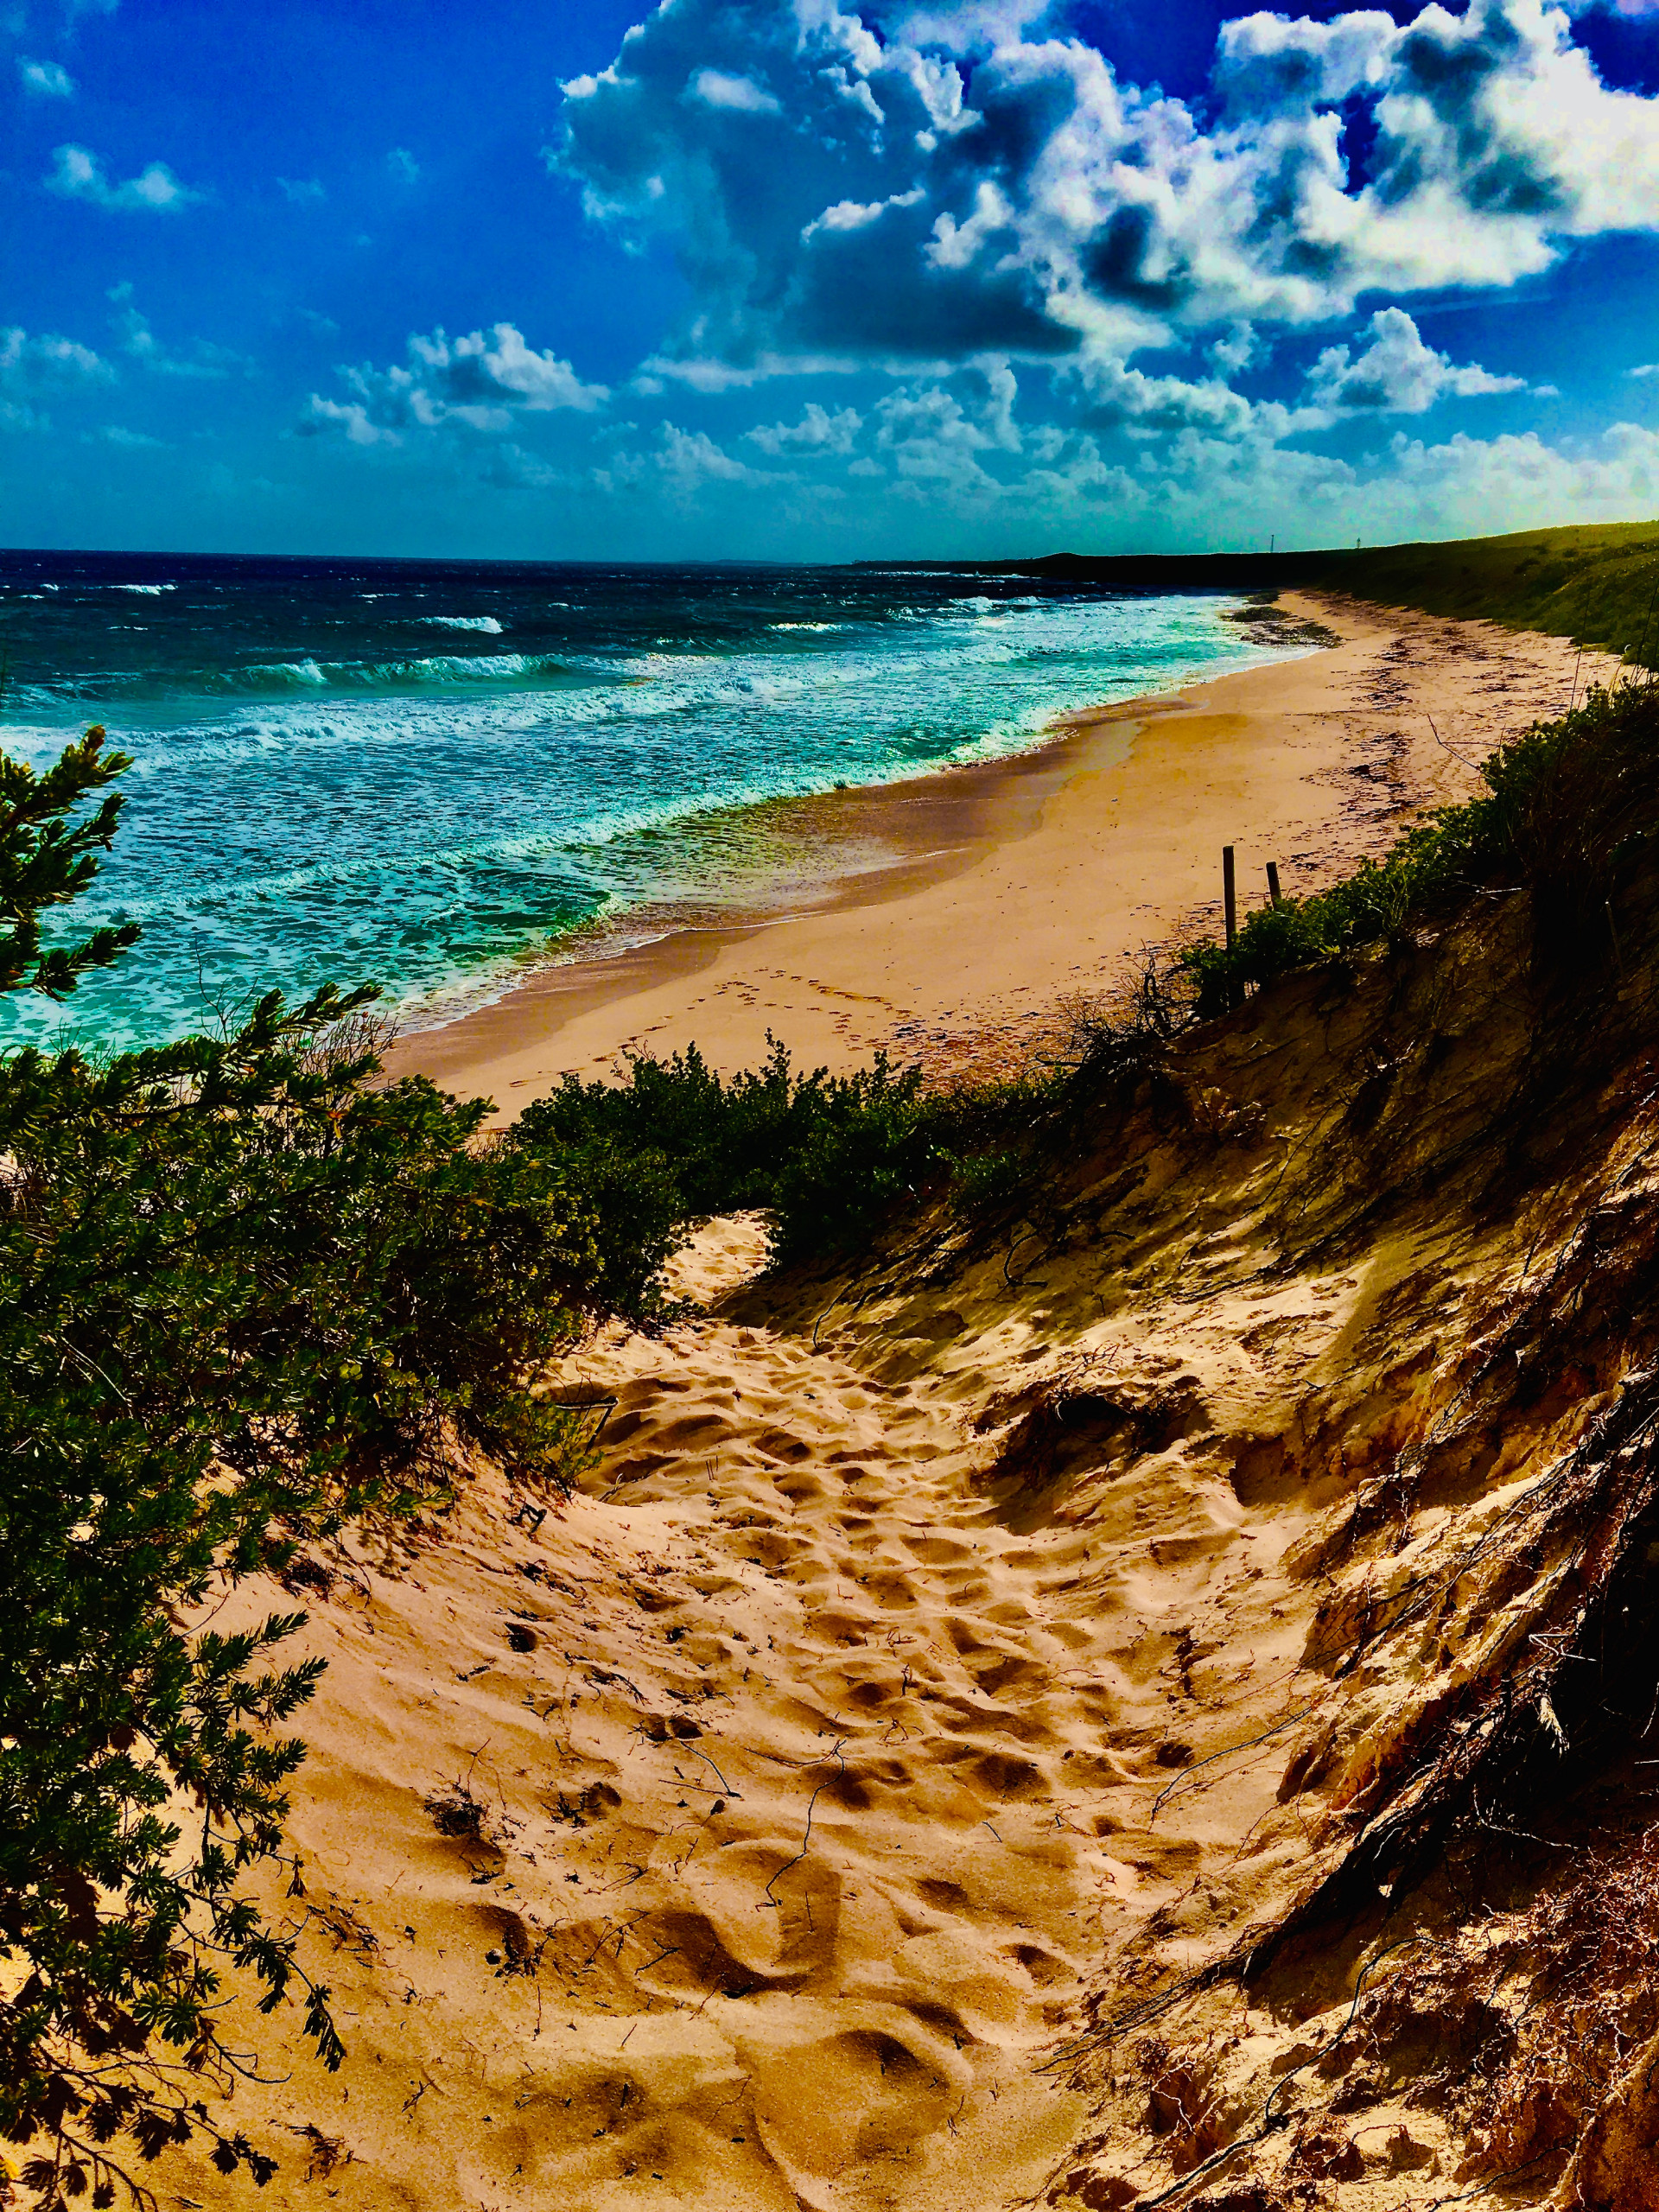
{"points": [[428, 774]]}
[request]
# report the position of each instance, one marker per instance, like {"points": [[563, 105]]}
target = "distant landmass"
{"points": [[1595, 582]]}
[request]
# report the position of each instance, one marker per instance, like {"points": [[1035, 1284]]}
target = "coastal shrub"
{"points": [[246, 1292], [826, 1155], [1565, 808]]}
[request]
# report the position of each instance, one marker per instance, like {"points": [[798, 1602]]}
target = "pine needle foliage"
{"points": [[245, 1292], [47, 859]]}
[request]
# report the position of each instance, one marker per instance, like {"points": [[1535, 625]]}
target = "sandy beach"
{"points": [[977, 902]]}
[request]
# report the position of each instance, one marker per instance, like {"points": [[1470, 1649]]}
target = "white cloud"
{"points": [[932, 438], [1645, 369], [690, 459], [1119, 395], [817, 432], [401, 166], [739, 94], [78, 174], [200, 358], [351, 417], [117, 434], [34, 369], [45, 81], [510, 468], [1196, 490], [684, 462], [954, 245], [1396, 373], [705, 374], [1510, 483], [301, 192], [1236, 349], [480, 381], [968, 184]]}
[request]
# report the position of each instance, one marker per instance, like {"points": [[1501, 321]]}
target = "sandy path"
{"points": [[746, 1833], [1009, 887]]}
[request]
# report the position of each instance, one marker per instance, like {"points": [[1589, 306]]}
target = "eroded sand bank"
{"points": [[853, 1799]]}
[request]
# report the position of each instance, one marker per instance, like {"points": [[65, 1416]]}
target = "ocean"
{"points": [[429, 775]]}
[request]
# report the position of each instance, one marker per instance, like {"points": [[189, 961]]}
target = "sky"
{"points": [[811, 280]]}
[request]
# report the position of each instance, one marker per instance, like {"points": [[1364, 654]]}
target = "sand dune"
{"points": [[850, 1798], [925, 1675]]}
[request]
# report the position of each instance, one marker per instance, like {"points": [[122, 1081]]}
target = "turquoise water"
{"points": [[427, 775]]}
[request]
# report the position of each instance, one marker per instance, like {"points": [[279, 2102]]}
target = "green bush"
{"points": [[244, 1293], [826, 1154]]}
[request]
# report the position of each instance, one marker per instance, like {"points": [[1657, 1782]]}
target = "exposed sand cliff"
{"points": [[1140, 1701]]}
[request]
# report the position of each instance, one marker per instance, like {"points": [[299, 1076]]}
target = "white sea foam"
{"points": [[432, 820], [486, 623]]}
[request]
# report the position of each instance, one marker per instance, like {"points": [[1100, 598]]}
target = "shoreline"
{"points": [[980, 900]]}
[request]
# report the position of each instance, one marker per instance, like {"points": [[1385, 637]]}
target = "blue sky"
{"points": [[808, 280]]}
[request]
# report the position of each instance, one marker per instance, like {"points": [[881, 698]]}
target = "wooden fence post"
{"points": [[1273, 883], [1229, 896]]}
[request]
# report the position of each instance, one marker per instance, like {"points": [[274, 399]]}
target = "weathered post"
{"points": [[1273, 883], [1229, 896], [1230, 902]]}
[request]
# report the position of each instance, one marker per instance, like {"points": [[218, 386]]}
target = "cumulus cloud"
{"points": [[716, 89], [683, 462], [33, 369], [78, 174], [966, 183], [1195, 490], [301, 192], [817, 432], [45, 81], [482, 381], [401, 166], [706, 373], [510, 468], [199, 358], [1396, 373], [690, 458]]}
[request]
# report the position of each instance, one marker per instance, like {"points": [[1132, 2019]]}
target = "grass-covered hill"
{"points": [[1595, 582]]}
